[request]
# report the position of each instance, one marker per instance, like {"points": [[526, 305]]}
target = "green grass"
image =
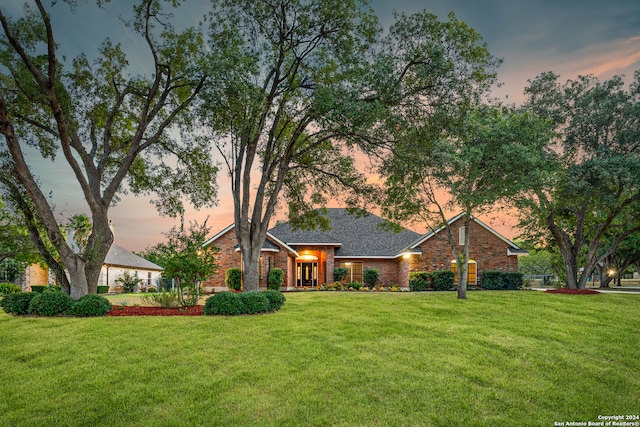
{"points": [[346, 359]]}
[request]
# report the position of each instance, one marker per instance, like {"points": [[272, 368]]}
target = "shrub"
{"points": [[9, 288], [91, 305], [50, 304], [233, 278], [513, 280], [442, 280], [152, 289], [224, 303], [128, 281], [276, 299], [276, 278], [17, 303], [370, 277], [38, 288], [419, 280], [162, 299], [492, 279], [103, 289], [254, 302], [339, 273], [355, 285]]}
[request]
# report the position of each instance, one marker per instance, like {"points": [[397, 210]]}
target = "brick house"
{"points": [[358, 242]]}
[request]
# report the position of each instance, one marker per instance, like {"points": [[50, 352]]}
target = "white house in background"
{"points": [[120, 260]]}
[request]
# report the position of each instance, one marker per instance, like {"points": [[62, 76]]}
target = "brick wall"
{"points": [[388, 269], [226, 258], [487, 249]]}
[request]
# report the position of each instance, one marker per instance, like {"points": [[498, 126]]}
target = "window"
{"points": [[354, 271], [461, 236]]}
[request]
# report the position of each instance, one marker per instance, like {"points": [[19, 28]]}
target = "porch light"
{"points": [[611, 272], [406, 255]]}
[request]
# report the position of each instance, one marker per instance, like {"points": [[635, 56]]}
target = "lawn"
{"points": [[521, 358]]}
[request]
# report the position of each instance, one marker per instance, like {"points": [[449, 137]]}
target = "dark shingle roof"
{"points": [[355, 236]]}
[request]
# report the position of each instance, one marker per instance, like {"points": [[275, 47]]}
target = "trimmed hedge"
{"points": [[17, 303], [224, 303], [442, 280], [233, 278], [254, 302], [91, 305], [501, 280], [103, 289], [276, 299], [50, 304], [38, 288], [232, 304], [276, 278], [419, 280]]}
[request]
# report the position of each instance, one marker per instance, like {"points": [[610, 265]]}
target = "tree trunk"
{"points": [[572, 274], [77, 277], [251, 270], [463, 267]]}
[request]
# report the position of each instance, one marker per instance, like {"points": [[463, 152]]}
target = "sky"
{"points": [[569, 37]]}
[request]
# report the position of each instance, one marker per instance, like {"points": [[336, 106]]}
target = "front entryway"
{"points": [[307, 271]]}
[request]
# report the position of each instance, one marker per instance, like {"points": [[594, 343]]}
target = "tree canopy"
{"points": [[477, 161], [310, 84], [593, 188], [109, 126]]}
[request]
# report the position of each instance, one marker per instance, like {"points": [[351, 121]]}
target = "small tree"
{"points": [[185, 260]]}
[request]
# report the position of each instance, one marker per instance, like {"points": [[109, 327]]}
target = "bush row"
{"points": [[54, 304], [233, 304], [438, 280], [491, 279]]}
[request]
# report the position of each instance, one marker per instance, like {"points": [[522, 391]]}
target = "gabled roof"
{"points": [[352, 235], [121, 257], [512, 248], [270, 244]]}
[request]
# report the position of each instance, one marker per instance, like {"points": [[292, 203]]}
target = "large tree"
{"points": [[594, 190], [109, 126], [311, 84], [480, 159]]}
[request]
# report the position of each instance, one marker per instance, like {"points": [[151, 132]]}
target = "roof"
{"points": [[352, 235], [269, 245], [121, 257], [512, 248]]}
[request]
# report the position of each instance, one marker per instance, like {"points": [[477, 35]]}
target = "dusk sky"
{"points": [[569, 37]]}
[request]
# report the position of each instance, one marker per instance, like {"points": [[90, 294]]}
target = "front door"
{"points": [[307, 273]]}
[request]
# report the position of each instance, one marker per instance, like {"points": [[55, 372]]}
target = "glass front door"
{"points": [[307, 273]]}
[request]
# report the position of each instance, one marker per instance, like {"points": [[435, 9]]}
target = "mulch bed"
{"points": [[572, 291], [197, 310]]}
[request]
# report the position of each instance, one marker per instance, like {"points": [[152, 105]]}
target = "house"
{"points": [[120, 260], [359, 242]]}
